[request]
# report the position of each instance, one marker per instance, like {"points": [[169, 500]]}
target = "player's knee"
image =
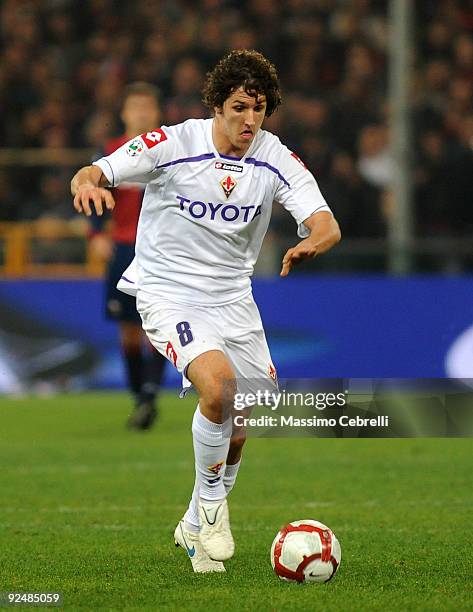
{"points": [[213, 377], [218, 398]]}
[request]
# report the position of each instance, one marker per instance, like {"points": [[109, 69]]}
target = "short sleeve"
{"points": [[139, 160], [298, 192]]}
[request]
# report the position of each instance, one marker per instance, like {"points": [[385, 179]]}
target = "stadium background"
{"points": [[63, 69]]}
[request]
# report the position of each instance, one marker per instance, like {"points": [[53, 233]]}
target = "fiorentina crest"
{"points": [[215, 469], [228, 185]]}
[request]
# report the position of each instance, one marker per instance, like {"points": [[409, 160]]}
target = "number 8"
{"points": [[185, 335]]}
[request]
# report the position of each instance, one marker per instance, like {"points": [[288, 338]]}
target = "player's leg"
{"points": [[130, 342], [154, 365], [150, 378], [212, 375], [246, 346], [118, 307], [206, 373], [184, 335], [232, 466], [144, 370], [235, 451], [121, 308]]}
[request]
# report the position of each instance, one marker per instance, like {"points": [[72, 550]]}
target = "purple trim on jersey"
{"points": [[127, 280], [184, 160], [255, 162], [230, 157]]}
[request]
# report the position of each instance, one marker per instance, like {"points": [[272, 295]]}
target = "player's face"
{"points": [[239, 120], [140, 114]]}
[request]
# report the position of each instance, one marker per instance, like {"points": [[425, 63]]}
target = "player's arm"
{"points": [[88, 188], [140, 160], [324, 234], [299, 193]]}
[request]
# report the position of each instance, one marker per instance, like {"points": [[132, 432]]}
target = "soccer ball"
{"points": [[305, 551]]}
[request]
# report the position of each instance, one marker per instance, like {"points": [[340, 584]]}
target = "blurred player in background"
{"points": [[113, 241], [207, 206]]}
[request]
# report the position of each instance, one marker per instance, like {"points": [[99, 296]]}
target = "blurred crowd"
{"points": [[64, 65]]}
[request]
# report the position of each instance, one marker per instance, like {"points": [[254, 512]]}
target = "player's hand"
{"points": [[88, 195], [101, 247], [304, 250]]}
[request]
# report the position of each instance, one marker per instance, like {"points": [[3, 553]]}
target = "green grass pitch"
{"points": [[88, 509]]}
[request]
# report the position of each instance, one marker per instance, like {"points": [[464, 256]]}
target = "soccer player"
{"points": [[207, 206], [114, 243]]}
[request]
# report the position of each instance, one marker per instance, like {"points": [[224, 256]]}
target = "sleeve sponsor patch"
{"points": [[297, 158], [151, 139]]}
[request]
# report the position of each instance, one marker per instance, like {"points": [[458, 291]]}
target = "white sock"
{"points": [[191, 517], [231, 472], [211, 444]]}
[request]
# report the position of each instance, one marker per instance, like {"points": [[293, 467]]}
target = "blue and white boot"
{"points": [[190, 542]]}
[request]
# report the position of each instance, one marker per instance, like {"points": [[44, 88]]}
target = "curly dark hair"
{"points": [[247, 69]]}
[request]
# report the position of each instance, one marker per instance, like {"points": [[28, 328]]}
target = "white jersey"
{"points": [[204, 215]]}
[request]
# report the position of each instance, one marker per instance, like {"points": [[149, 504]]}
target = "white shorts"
{"points": [[181, 333]]}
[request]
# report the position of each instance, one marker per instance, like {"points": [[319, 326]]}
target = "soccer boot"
{"points": [[190, 542], [215, 534], [143, 416]]}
